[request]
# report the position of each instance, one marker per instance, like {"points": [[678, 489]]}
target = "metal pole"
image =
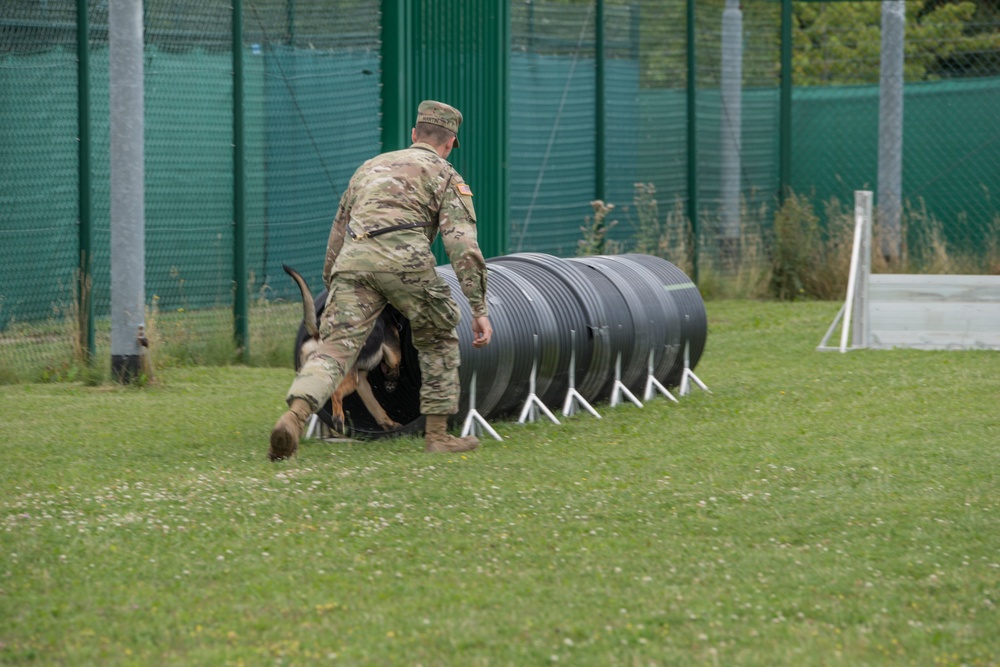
{"points": [[599, 107], [890, 129], [128, 226], [290, 23], [692, 138], [785, 104], [732, 114], [241, 320], [85, 302], [862, 211], [396, 104], [531, 25]]}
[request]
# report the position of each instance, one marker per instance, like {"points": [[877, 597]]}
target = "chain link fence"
{"points": [[630, 138], [311, 107], [949, 160]]}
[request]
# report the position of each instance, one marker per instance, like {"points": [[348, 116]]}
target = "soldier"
{"points": [[379, 252]]}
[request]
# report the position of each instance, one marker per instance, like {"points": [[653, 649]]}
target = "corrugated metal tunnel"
{"points": [[583, 313]]}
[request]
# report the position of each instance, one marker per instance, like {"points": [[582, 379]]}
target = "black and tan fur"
{"points": [[382, 347]]}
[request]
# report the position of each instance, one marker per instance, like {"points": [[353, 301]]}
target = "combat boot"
{"points": [[438, 439], [288, 430]]}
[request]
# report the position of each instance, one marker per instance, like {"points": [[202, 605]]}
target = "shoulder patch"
{"points": [[463, 189]]}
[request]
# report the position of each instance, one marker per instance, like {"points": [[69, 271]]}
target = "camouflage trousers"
{"points": [[354, 302]]}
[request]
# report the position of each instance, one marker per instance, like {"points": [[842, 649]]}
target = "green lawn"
{"points": [[814, 509]]}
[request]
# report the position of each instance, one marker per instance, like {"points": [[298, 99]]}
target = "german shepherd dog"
{"points": [[382, 347]]}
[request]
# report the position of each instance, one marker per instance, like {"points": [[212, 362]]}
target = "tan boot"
{"points": [[288, 430], [438, 439]]}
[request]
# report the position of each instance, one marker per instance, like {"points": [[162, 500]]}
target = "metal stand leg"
{"points": [[620, 388], [474, 422], [533, 403], [653, 383], [313, 428], [573, 396], [689, 375]]}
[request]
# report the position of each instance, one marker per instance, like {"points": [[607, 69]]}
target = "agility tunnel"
{"points": [[585, 321]]}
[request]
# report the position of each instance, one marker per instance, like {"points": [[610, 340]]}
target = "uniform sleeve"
{"points": [[336, 242], [457, 226]]}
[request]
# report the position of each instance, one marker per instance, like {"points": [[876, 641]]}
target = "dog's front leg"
{"points": [[374, 407]]}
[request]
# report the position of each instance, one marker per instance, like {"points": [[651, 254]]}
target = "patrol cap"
{"points": [[439, 113]]}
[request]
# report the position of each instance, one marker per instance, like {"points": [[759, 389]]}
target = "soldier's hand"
{"points": [[482, 331]]}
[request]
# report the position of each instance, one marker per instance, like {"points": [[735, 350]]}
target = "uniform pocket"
{"points": [[439, 310]]}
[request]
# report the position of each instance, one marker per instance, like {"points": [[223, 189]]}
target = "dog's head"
{"points": [[392, 352]]}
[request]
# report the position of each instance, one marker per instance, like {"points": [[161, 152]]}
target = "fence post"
{"points": [[241, 322], [599, 106], [731, 127], [692, 138], [890, 128], [85, 302], [128, 223], [785, 104], [290, 23], [396, 103]]}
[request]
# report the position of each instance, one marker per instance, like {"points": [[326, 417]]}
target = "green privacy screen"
{"points": [[456, 52], [315, 138], [951, 157], [38, 183], [311, 116]]}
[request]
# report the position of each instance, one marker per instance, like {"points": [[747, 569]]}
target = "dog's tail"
{"points": [[308, 304]]}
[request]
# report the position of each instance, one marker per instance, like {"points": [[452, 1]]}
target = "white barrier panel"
{"points": [[934, 312], [918, 311]]}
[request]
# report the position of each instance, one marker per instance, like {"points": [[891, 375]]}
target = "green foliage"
{"points": [[46, 352], [814, 509], [90, 376], [808, 260], [833, 43], [838, 42]]}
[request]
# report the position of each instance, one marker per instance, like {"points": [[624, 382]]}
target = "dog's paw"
{"points": [[337, 424]]}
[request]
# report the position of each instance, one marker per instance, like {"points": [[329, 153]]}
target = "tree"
{"points": [[834, 43], [839, 42]]}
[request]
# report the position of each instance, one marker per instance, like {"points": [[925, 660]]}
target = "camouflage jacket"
{"points": [[411, 186]]}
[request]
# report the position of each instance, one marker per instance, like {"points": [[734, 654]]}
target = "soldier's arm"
{"points": [[457, 226], [336, 241]]}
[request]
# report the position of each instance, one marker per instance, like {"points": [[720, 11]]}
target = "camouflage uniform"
{"points": [[418, 194]]}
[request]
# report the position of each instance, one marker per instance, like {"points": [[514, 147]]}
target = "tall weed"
{"points": [[595, 230], [811, 261]]}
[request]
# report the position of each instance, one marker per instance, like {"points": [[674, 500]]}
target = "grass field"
{"points": [[814, 509]]}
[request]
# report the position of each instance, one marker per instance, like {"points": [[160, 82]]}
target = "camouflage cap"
{"points": [[439, 113]]}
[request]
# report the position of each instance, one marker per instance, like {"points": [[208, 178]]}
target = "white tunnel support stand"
{"points": [[475, 424], [652, 383], [689, 375], [620, 388], [533, 404], [572, 395], [313, 428]]}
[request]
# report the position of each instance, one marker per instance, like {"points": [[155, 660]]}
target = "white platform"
{"points": [[934, 312], [917, 311]]}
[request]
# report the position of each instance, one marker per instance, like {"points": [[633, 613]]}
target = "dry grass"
{"points": [[925, 248]]}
